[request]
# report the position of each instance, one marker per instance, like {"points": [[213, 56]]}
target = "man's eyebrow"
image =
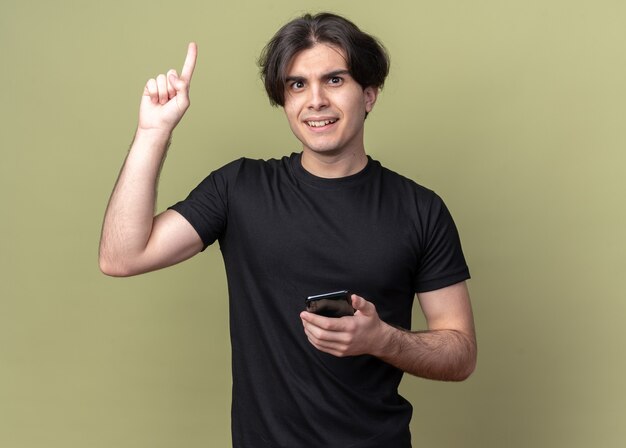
{"points": [[294, 78], [332, 74]]}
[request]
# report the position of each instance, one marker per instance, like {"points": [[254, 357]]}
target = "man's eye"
{"points": [[297, 85], [336, 80]]}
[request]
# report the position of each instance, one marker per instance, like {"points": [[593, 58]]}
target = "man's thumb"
{"points": [[362, 305]]}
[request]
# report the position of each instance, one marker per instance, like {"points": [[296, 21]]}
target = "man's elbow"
{"points": [[467, 364], [466, 372], [111, 270], [467, 368], [114, 268], [462, 362]]}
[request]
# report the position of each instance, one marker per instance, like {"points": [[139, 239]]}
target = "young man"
{"points": [[326, 219]]}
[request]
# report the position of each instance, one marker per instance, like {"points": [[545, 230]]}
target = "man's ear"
{"points": [[369, 95]]}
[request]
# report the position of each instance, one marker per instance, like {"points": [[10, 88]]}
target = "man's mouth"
{"points": [[320, 123]]}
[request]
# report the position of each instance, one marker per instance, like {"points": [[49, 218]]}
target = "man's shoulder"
{"points": [[406, 184], [251, 172], [249, 164]]}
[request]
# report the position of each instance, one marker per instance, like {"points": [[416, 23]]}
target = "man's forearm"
{"points": [[130, 212], [446, 355]]}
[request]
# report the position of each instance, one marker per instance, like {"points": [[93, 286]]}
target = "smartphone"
{"points": [[331, 304]]}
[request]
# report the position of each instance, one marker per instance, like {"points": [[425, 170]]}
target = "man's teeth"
{"points": [[316, 124]]}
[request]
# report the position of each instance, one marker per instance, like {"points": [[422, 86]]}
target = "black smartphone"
{"points": [[331, 304]]}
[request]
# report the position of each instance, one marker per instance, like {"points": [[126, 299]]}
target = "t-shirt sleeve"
{"points": [[442, 262], [206, 207]]}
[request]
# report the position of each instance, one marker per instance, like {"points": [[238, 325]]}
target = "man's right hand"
{"points": [[166, 97]]}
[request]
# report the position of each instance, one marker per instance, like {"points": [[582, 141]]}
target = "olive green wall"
{"points": [[514, 111]]}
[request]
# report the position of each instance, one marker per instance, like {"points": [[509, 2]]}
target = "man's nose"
{"points": [[318, 98]]}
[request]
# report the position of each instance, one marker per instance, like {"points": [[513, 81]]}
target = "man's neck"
{"points": [[333, 165]]}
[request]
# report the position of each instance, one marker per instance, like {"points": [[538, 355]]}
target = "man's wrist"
{"points": [[153, 134], [151, 142], [386, 342]]}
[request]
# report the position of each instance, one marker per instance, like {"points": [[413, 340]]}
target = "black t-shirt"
{"points": [[284, 235]]}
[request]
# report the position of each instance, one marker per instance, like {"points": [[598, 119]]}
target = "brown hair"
{"points": [[367, 59]]}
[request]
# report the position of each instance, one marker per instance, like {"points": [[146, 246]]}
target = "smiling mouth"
{"points": [[321, 123]]}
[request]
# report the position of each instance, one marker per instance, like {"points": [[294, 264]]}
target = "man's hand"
{"points": [[446, 351], [349, 335], [166, 97]]}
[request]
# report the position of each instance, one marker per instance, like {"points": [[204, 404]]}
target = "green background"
{"points": [[513, 111]]}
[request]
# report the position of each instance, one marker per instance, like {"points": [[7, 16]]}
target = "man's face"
{"points": [[324, 105]]}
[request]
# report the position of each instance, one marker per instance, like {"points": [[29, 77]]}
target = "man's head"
{"points": [[366, 58]]}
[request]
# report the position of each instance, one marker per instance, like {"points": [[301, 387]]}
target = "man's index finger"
{"points": [[190, 61]]}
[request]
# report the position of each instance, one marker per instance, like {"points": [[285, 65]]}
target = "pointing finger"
{"points": [[190, 62]]}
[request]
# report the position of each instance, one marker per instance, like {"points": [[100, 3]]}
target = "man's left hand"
{"points": [[360, 334]]}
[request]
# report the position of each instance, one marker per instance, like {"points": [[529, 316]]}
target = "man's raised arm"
{"points": [[133, 240]]}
